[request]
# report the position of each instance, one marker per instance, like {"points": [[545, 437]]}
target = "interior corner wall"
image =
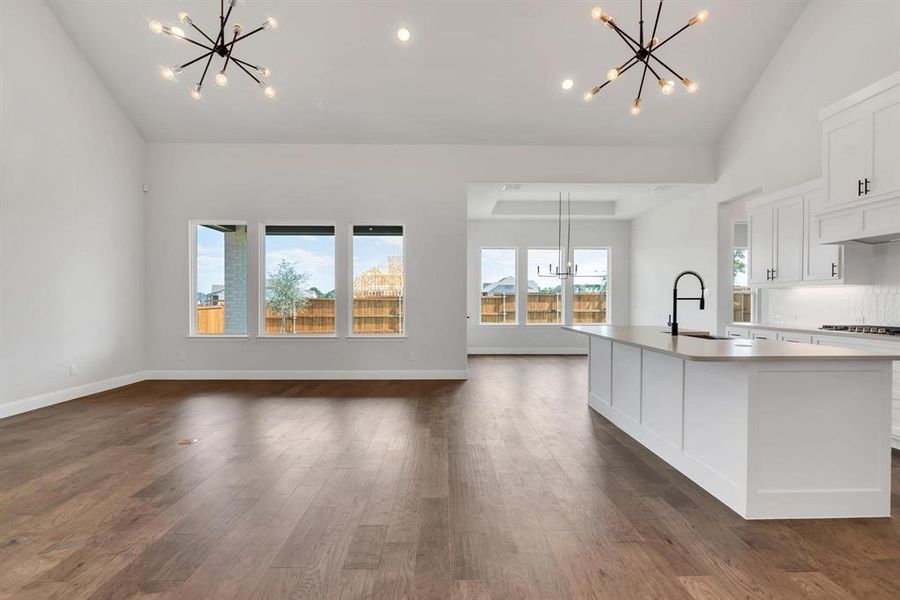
{"points": [[71, 234], [423, 187], [523, 234], [773, 142]]}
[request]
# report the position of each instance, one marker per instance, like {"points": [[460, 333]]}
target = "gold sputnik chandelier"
{"points": [[644, 53]]}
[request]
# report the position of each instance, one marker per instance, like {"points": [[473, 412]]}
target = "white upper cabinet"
{"points": [[788, 217], [785, 249], [861, 166]]}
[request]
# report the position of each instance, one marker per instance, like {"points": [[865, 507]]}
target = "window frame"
{"points": [[376, 336], [609, 284], [481, 250], [563, 295], [261, 282], [192, 280]]}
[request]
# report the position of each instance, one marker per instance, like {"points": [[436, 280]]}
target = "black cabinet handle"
{"points": [[866, 188], [833, 270], [859, 187], [774, 275], [768, 274]]}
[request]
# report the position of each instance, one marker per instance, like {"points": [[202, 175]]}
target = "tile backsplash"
{"points": [[876, 304]]}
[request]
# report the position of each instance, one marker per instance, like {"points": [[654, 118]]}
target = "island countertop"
{"points": [[657, 339]]}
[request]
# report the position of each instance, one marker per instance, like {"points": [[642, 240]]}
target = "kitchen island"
{"points": [[772, 429]]}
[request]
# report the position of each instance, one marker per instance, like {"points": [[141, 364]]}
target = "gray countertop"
{"points": [[655, 338], [816, 331]]}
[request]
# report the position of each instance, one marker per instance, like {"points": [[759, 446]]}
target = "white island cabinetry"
{"points": [[772, 429]]}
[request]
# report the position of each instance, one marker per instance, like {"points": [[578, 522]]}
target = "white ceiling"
{"points": [[474, 72], [589, 200]]}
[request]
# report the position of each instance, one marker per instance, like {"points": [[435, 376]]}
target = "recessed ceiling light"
{"points": [[567, 84], [403, 34]]}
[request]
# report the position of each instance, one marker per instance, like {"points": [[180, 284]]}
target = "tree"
{"points": [[286, 291]]}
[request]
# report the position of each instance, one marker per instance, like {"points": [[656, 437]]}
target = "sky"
{"points": [[497, 263], [313, 254]]}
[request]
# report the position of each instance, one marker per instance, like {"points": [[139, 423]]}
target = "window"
{"points": [[378, 286], [742, 297], [544, 291], [591, 286], [218, 279], [298, 280], [498, 286]]}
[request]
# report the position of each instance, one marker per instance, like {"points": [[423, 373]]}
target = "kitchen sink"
{"points": [[702, 336]]}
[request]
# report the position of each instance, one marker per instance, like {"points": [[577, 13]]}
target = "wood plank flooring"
{"points": [[504, 486]]}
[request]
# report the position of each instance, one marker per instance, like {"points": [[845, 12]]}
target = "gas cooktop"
{"points": [[879, 329]]}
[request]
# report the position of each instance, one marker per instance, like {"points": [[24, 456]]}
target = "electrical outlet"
{"points": [[412, 356], [73, 369], [182, 355]]}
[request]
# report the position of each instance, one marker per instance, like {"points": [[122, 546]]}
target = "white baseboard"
{"points": [[519, 350], [8, 409], [308, 375]]}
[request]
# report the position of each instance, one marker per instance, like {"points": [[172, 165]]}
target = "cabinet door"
{"points": [[789, 222], [761, 242], [845, 160], [885, 150], [823, 261]]}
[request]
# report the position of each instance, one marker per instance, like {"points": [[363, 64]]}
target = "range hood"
{"points": [[871, 222]]}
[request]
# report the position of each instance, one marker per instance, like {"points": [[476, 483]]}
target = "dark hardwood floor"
{"points": [[505, 486]]}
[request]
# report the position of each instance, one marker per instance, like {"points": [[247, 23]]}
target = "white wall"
{"points": [[522, 234], [834, 49], [71, 237], [424, 187]]}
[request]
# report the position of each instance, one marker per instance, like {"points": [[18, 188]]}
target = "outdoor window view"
{"points": [[377, 279], [498, 286], [545, 304], [742, 298], [590, 287], [221, 280], [299, 280]]}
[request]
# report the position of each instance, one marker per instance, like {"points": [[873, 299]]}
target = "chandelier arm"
{"points": [[205, 69], [246, 35], [195, 42], [244, 62], [242, 68], [629, 63], [622, 34], [659, 45], [203, 33], [643, 76], [641, 21], [652, 70], [655, 23], [201, 57], [667, 67], [228, 56]]}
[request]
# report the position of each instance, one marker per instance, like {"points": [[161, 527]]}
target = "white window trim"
{"points": [[376, 336], [192, 280], [562, 287], [609, 284], [480, 290], [261, 283]]}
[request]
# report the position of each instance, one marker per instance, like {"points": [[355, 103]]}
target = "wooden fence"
{"points": [[589, 307], [742, 305], [370, 315]]}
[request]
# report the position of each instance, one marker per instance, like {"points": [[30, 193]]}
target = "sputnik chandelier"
{"points": [[644, 54], [218, 46]]}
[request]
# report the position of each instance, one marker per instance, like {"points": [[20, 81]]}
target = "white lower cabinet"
{"points": [[763, 334], [796, 338], [737, 332]]}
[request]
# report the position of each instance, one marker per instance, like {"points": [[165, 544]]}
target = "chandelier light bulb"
{"points": [[636, 107], [184, 18], [195, 92], [690, 85], [588, 96], [270, 23], [596, 13], [169, 73], [700, 17], [612, 74], [174, 31], [667, 86], [567, 84], [654, 42], [221, 78], [238, 29], [403, 34], [269, 91], [265, 71], [155, 26]]}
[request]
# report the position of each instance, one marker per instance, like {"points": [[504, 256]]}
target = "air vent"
{"points": [[512, 187], [661, 188]]}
